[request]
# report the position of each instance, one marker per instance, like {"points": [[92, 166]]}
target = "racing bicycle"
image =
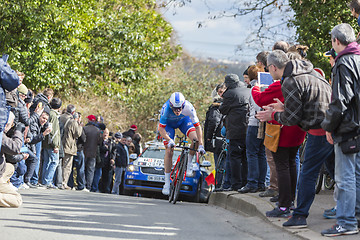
{"points": [[178, 173]]}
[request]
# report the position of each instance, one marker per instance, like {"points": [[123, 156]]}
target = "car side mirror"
{"points": [[205, 164]]}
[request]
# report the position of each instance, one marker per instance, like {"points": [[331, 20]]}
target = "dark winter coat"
{"points": [[343, 116], [129, 133], [212, 128], [93, 139], [235, 106], [119, 154]]}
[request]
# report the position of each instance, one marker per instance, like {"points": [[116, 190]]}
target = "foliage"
{"points": [[314, 20], [194, 79], [106, 45]]}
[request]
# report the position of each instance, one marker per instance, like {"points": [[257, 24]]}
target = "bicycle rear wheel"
{"points": [[180, 176], [220, 171]]}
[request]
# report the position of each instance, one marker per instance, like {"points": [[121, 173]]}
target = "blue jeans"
{"points": [[18, 177], [51, 161], [227, 181], [316, 152], [117, 182], [79, 164], [35, 177], [95, 183], [347, 178], [255, 153], [89, 171]]}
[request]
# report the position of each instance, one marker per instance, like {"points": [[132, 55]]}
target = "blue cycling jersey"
{"points": [[168, 117]]}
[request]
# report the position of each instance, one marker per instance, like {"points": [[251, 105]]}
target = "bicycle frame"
{"points": [[178, 173]]}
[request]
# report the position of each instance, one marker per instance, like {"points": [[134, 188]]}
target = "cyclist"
{"points": [[178, 113]]}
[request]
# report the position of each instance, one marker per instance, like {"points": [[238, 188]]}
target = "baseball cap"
{"points": [[91, 118]]}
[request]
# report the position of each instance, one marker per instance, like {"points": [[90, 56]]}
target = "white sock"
{"points": [[189, 163], [167, 178]]}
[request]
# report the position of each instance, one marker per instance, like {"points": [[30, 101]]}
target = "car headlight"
{"points": [[132, 168]]}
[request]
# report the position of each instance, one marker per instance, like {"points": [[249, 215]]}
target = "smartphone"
{"points": [[5, 57], [40, 105], [49, 125]]}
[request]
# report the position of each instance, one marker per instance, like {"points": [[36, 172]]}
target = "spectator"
{"points": [[108, 169], [354, 6], [36, 134], [119, 160], [255, 150], [10, 145], [282, 162], [261, 60], [93, 140], [45, 99], [131, 131], [342, 126], [79, 163], [213, 123], [281, 45], [51, 145], [235, 106], [72, 131], [9, 81], [306, 98], [100, 160], [246, 76], [136, 141]]}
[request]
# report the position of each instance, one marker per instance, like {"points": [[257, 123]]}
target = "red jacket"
{"points": [[290, 136]]}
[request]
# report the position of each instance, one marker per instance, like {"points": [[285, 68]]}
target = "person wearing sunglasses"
{"points": [[178, 113]]}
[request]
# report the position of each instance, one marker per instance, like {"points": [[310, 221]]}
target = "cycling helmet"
{"points": [[177, 100]]}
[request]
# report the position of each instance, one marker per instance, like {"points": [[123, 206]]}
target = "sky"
{"points": [[218, 38]]}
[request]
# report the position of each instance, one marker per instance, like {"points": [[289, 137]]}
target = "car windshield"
{"points": [[158, 153]]}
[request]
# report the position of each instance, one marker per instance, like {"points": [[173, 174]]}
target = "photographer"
{"points": [[35, 135], [9, 80], [11, 144]]}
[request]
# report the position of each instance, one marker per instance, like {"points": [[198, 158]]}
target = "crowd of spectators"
{"points": [[44, 147], [41, 146], [307, 111]]}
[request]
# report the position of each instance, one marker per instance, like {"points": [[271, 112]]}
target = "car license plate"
{"points": [[156, 178]]}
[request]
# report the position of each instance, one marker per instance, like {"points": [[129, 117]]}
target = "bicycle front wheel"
{"points": [[174, 173], [180, 176]]}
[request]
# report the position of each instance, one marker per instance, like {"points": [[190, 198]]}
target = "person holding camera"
{"points": [[11, 144], [36, 134]]}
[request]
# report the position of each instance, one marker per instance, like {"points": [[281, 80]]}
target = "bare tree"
{"points": [[270, 19]]}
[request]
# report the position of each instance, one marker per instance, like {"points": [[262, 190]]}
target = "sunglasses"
{"points": [[176, 109]]}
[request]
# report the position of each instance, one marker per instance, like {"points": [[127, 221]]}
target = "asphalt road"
{"points": [[62, 215]]}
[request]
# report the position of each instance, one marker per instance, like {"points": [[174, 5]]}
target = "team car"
{"points": [[146, 174]]}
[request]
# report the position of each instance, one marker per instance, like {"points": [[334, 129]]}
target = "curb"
{"points": [[252, 205]]}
